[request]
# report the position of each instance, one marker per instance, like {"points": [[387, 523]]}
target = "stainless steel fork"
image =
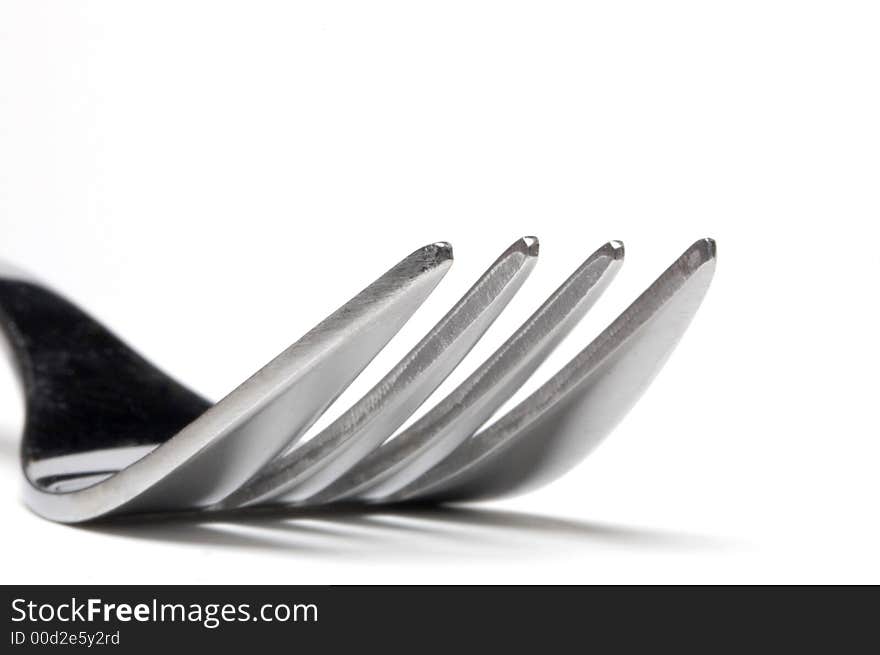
{"points": [[107, 433]]}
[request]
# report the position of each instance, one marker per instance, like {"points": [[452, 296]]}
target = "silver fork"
{"points": [[107, 433]]}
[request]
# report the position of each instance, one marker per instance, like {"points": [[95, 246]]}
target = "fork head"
{"points": [[107, 433]]}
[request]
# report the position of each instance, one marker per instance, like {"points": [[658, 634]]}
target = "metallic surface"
{"points": [[224, 446], [562, 422], [311, 467], [473, 402], [108, 433]]}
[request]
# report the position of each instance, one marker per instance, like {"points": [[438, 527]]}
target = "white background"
{"points": [[212, 178]]}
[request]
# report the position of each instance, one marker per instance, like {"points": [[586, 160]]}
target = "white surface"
{"points": [[179, 167]]}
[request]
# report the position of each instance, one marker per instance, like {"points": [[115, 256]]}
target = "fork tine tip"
{"points": [[616, 249]]}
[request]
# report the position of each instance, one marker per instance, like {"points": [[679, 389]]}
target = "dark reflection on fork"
{"points": [[399, 531]]}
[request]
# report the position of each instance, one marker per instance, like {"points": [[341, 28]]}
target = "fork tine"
{"points": [[312, 466], [222, 448], [557, 426], [463, 411]]}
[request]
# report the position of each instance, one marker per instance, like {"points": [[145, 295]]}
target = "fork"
{"points": [[107, 433]]}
